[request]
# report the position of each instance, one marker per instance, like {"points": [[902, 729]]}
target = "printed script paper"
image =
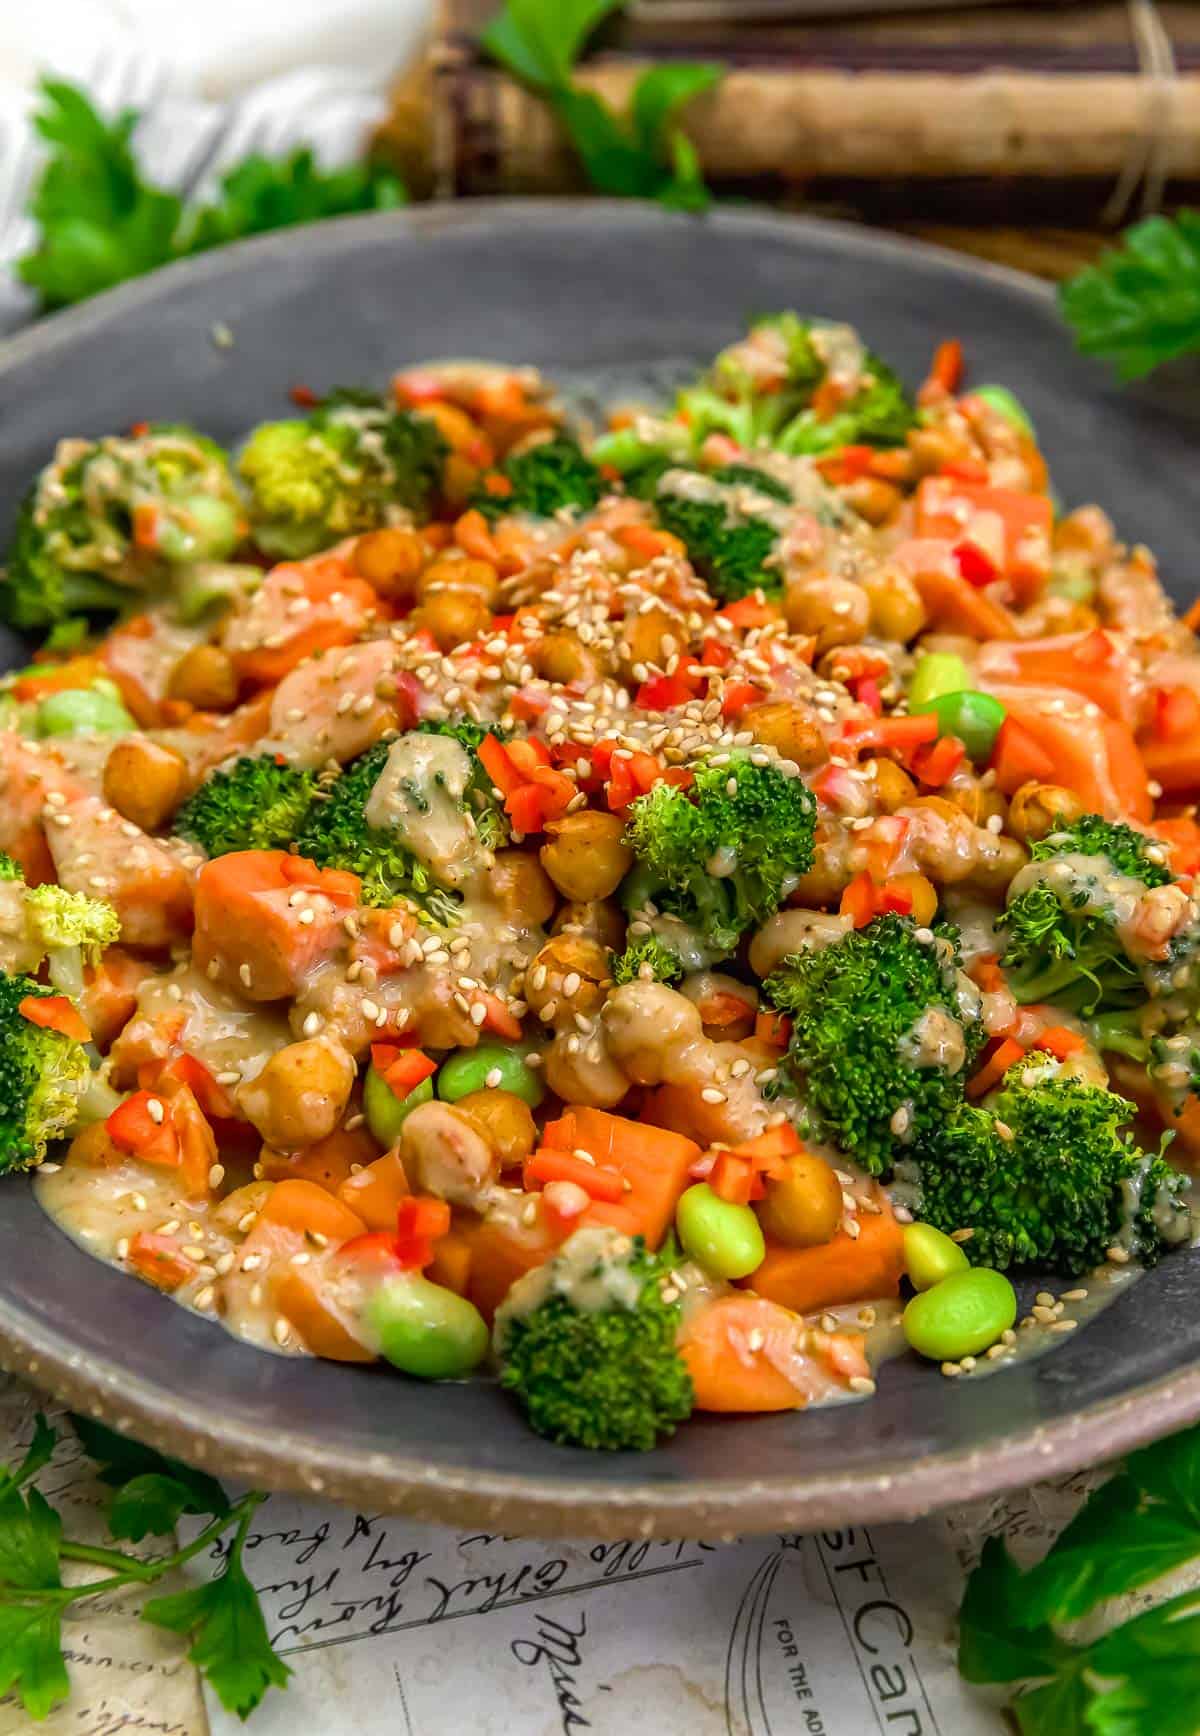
{"points": [[398, 1627]]}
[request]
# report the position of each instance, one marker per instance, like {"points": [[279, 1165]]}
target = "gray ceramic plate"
{"points": [[615, 294]]}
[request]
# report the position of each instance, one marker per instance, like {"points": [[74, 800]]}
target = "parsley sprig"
{"points": [[151, 1493], [1141, 1678], [100, 221], [1139, 305], [647, 157]]}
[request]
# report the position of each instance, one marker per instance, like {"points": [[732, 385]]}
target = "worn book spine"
{"points": [[1011, 92]]}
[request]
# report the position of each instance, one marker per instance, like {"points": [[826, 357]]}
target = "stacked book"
{"points": [[947, 112]]}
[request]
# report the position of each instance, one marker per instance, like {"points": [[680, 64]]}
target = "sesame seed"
{"points": [[205, 1298], [493, 1078], [155, 1111], [710, 1094], [951, 1369], [252, 1262], [311, 1025], [1064, 1326], [216, 1175], [224, 1264], [122, 1247], [256, 1295], [306, 918], [861, 1383], [1074, 1295], [245, 976], [281, 1331]]}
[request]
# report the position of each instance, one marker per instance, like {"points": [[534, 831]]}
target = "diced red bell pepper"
{"points": [[858, 900], [55, 1013], [133, 1128], [1018, 757], [663, 693], [494, 758], [1060, 1041], [935, 763], [420, 1222], [599, 1182], [999, 1058], [748, 612], [410, 1068], [1176, 713]]}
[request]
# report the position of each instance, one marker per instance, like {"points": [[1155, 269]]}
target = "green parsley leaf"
{"points": [[31, 1655], [101, 222], [646, 157], [30, 1540], [995, 1643], [37, 1455], [229, 1636], [153, 1491], [540, 44], [259, 195], [1139, 305]]}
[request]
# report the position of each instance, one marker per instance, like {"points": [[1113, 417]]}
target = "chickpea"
{"points": [[301, 1093], [802, 1207], [520, 886], [566, 978], [586, 1074], [205, 677], [447, 1154], [93, 1148], [893, 786], [561, 657], [998, 859], [791, 931], [836, 611], [826, 880], [975, 799], [453, 617], [390, 561], [599, 919], [792, 731], [873, 499], [1037, 809], [460, 433], [897, 611], [932, 448], [453, 574], [653, 635], [586, 857], [144, 781], [460, 481], [506, 1121], [228, 1216], [923, 893]]}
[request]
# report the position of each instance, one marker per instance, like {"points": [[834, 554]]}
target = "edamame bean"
{"points": [[385, 1112], [960, 1316], [975, 718], [81, 710], [930, 1256], [937, 672], [725, 1239], [425, 1329], [1008, 405], [472, 1069]]}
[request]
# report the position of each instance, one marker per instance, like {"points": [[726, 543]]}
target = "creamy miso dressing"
{"points": [[419, 796]]}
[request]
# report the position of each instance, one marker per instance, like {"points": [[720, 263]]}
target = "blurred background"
{"points": [[1026, 133]]}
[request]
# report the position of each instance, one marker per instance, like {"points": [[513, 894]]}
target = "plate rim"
{"points": [[900, 1489]]}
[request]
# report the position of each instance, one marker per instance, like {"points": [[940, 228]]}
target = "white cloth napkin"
{"points": [[213, 85]]}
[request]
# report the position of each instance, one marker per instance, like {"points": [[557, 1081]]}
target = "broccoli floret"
{"points": [[106, 519], [751, 476], [647, 957], [545, 479], [606, 1375], [642, 452], [336, 835], [1062, 942], [257, 804], [10, 870], [729, 528], [1042, 1174], [73, 929], [491, 823], [723, 854], [343, 469], [884, 1029], [761, 391], [42, 1077]]}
